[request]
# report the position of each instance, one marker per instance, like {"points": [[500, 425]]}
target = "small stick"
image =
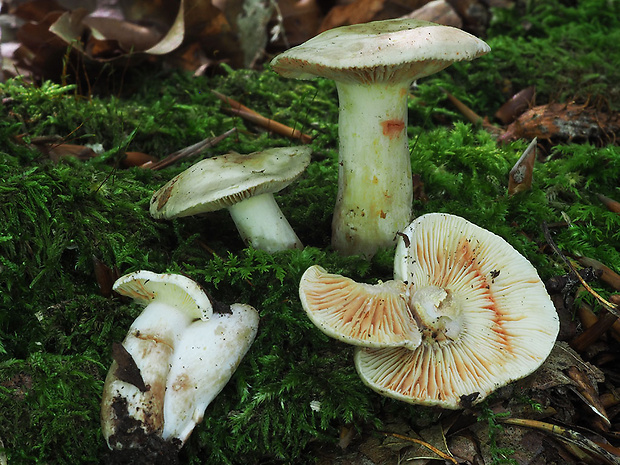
{"points": [[572, 437], [271, 125], [611, 204], [611, 308], [471, 116], [238, 109], [588, 318], [233, 103], [441, 454], [187, 151], [604, 322], [608, 275]]}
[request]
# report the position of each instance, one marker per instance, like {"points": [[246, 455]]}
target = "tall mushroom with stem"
{"points": [[373, 65]]}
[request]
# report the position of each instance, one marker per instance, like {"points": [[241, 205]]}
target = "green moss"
{"points": [[56, 328], [50, 408]]}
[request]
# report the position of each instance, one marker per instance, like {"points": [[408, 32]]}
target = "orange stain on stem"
{"points": [[393, 127]]}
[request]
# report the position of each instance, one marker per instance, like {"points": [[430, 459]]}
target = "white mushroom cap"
{"points": [[219, 182], [485, 316], [379, 51], [203, 362], [172, 289], [361, 314]]}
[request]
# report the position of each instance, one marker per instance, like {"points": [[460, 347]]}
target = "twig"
{"points": [[237, 109], [611, 204], [566, 435], [233, 103], [471, 116], [611, 308], [441, 454], [608, 275], [187, 151]]}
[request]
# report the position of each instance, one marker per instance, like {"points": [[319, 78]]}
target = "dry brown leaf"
{"points": [[301, 19], [517, 104], [40, 52], [438, 11], [108, 38], [36, 10], [362, 11], [565, 122]]}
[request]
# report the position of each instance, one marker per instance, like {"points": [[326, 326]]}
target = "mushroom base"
{"points": [[437, 313], [262, 224]]}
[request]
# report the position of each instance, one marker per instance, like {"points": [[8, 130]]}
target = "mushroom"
{"points": [[478, 313], [203, 362], [176, 344], [373, 65], [244, 184]]}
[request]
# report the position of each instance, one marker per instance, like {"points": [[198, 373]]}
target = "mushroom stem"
{"points": [[262, 224], [436, 312], [375, 190]]}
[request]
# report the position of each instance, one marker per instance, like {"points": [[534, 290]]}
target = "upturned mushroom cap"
{"points": [[171, 289], [485, 316], [219, 182], [381, 51], [360, 314]]}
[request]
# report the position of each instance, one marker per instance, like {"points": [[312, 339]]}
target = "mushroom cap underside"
{"points": [[219, 182], [505, 324], [357, 313], [391, 50], [171, 289], [475, 312]]}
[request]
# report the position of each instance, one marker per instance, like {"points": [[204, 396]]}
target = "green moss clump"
{"points": [[296, 387]]}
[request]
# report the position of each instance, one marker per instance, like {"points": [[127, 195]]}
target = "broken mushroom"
{"points": [[477, 312], [361, 314], [203, 362], [176, 357], [373, 65], [244, 184]]}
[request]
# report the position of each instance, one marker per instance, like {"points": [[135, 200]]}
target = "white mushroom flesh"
{"points": [[202, 364], [373, 65], [262, 225], [375, 191], [244, 184], [171, 302]]}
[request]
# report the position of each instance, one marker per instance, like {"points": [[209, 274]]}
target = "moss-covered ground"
{"points": [[56, 327]]}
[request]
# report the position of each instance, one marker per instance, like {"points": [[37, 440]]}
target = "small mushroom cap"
{"points": [[172, 289], [361, 314], [220, 182], [484, 313], [391, 50]]}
